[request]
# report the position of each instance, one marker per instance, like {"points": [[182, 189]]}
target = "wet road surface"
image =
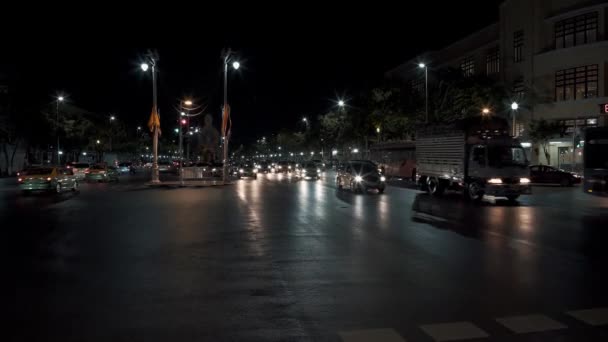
{"points": [[284, 260]]}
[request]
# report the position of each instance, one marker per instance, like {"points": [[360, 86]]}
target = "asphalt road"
{"points": [[284, 260]]}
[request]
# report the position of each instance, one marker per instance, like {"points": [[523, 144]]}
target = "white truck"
{"points": [[475, 155]]}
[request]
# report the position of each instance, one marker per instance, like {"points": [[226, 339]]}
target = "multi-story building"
{"points": [[553, 54]]}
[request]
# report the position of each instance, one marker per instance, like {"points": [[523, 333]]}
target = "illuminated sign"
{"points": [[604, 108]]}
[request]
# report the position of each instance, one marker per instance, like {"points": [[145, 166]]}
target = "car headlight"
{"points": [[524, 180], [213, 170], [255, 170], [383, 179], [576, 176], [495, 181], [318, 170], [358, 179], [241, 170], [303, 171], [289, 167]]}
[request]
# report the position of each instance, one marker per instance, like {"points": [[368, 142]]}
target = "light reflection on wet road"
{"points": [[279, 258]]}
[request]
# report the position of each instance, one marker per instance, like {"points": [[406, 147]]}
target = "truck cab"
{"points": [[497, 167]]}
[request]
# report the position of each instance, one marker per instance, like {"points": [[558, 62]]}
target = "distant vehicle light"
{"points": [[495, 181], [20, 180], [289, 167], [48, 179], [383, 179], [255, 170], [358, 179], [318, 170], [213, 170], [524, 180], [241, 170]]}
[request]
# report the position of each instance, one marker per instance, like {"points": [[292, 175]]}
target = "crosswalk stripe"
{"points": [[453, 331], [530, 323], [371, 335], [598, 316]]}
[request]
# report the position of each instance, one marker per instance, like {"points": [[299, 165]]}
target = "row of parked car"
{"points": [[62, 178]]}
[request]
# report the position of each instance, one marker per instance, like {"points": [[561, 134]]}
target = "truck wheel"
{"points": [[422, 184], [435, 187], [474, 192]]}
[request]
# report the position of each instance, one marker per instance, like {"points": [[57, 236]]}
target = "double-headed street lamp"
{"points": [[144, 67], [60, 99]]}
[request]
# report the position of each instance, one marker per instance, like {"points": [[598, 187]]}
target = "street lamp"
{"points": [[378, 131], [514, 108], [112, 118], [426, 89], [485, 111], [144, 66], [98, 142], [226, 138], [139, 128], [60, 99], [341, 103]]}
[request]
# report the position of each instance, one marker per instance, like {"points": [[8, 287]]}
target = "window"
{"points": [[582, 29], [569, 125], [468, 67], [493, 61], [518, 45], [576, 83], [518, 87], [418, 85]]}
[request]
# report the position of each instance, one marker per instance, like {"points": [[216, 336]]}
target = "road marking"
{"points": [[371, 335], [593, 317], [453, 331], [530, 323]]}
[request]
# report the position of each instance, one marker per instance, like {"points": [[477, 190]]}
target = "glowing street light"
{"points": [[112, 118], [355, 150], [334, 152], [236, 65], [84, 153], [341, 103], [485, 111], [514, 108], [144, 66], [188, 103], [426, 89], [98, 142], [60, 98]]}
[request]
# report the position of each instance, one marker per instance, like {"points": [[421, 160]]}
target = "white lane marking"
{"points": [[453, 331], [594, 317], [530, 323], [371, 335]]}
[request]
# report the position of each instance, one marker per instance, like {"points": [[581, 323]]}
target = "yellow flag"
{"points": [[154, 121]]}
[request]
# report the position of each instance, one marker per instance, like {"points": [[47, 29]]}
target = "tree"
{"points": [[540, 132]]}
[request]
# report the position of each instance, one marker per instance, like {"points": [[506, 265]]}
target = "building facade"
{"points": [[553, 54]]}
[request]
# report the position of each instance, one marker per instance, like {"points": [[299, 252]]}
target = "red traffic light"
{"points": [[183, 121]]}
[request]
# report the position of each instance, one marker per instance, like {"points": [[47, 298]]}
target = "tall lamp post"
{"points": [[426, 90], [58, 156], [225, 135], [514, 108], [144, 67]]}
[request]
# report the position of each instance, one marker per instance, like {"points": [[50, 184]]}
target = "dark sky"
{"points": [[288, 71]]}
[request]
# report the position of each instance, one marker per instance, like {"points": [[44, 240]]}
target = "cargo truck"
{"points": [[476, 156]]}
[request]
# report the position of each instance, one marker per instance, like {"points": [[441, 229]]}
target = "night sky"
{"points": [[283, 76]]}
